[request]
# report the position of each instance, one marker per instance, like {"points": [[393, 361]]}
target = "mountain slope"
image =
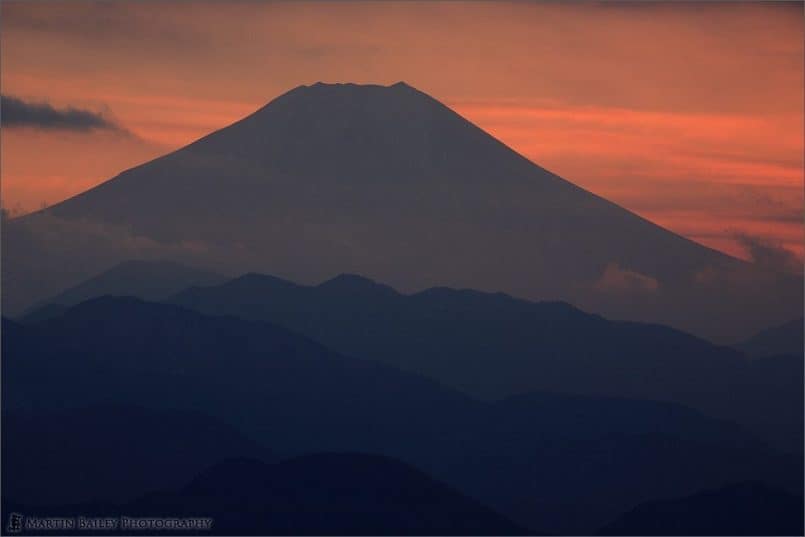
{"points": [[557, 463], [390, 183], [738, 509], [321, 494], [786, 338], [111, 451], [148, 280], [493, 345]]}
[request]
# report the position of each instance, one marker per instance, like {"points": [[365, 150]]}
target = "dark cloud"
{"points": [[15, 112], [769, 254]]}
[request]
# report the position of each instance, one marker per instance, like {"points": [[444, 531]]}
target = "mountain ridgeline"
{"points": [[389, 183], [786, 338], [321, 494], [546, 462], [148, 280], [492, 346], [737, 509], [317, 400]]}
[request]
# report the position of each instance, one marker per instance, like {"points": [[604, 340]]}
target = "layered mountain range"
{"points": [[426, 333], [546, 461], [389, 183]]}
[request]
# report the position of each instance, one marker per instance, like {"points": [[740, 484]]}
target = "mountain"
{"points": [[148, 280], [786, 338], [111, 451], [389, 183], [321, 494], [749, 508], [493, 345], [557, 463]]}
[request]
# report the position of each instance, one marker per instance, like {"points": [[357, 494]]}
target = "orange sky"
{"points": [[688, 114]]}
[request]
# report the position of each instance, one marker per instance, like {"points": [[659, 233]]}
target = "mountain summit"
{"points": [[387, 182]]}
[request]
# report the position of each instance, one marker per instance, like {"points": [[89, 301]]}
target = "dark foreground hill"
{"points": [[749, 508], [112, 452], [561, 464], [389, 183], [493, 345], [323, 494]]}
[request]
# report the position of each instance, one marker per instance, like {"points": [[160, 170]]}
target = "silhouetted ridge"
{"points": [[387, 474], [492, 305], [347, 285], [98, 305], [77, 454], [44, 312], [145, 279], [9, 324], [329, 494], [353, 86], [491, 345], [361, 137], [260, 282], [566, 463], [747, 508], [112, 303], [241, 473], [786, 338]]}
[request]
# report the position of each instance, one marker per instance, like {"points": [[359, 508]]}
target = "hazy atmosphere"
{"points": [[402, 268]]}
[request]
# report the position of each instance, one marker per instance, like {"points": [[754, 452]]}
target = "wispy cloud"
{"points": [[618, 279]]}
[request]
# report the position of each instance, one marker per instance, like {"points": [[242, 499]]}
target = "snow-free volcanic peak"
{"points": [[389, 183]]}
